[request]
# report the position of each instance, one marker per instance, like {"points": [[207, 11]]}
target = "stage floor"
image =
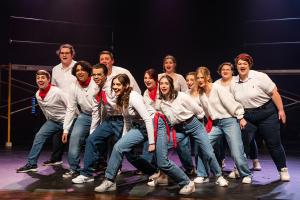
{"points": [[48, 183]]}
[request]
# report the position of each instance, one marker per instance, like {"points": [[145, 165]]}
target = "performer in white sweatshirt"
{"points": [[220, 106], [151, 97], [111, 124], [183, 115], [81, 96], [138, 129], [53, 103]]}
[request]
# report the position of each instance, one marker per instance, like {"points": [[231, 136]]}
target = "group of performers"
{"points": [[86, 106]]}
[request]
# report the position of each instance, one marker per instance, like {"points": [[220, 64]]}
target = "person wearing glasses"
{"points": [[62, 78]]}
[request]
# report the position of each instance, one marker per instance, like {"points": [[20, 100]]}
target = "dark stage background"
{"points": [[141, 33]]}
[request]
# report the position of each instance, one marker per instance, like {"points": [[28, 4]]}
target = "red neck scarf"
{"points": [[153, 92], [168, 129], [209, 125], [86, 83], [101, 96], [43, 92]]}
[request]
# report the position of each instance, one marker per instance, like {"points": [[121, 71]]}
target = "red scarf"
{"points": [[209, 125], [163, 117], [153, 92], [43, 92], [101, 96], [85, 83]]}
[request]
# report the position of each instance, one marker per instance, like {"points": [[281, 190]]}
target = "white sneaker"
{"points": [[221, 181], [162, 179], [188, 189], [156, 175], [247, 180], [106, 186], [201, 179], [284, 174], [70, 173], [82, 179], [234, 174]]}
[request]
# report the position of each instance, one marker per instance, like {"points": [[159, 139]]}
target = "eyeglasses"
{"points": [[99, 74]]}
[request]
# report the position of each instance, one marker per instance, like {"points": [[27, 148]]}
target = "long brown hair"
{"points": [[123, 100], [172, 93], [207, 77]]}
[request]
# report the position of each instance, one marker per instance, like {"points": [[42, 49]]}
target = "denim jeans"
{"points": [[125, 146], [78, 135], [196, 129], [58, 147], [265, 122], [95, 143], [48, 129], [183, 151], [230, 127], [163, 162]]}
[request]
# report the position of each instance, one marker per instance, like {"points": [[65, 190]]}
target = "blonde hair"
{"points": [[207, 77]]}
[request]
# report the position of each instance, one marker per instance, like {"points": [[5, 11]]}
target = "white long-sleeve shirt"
{"points": [[137, 112], [255, 91], [62, 77], [179, 82], [220, 104], [181, 109], [54, 104], [82, 97], [109, 108], [152, 106]]}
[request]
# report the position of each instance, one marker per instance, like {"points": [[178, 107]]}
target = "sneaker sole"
{"points": [[87, 181], [193, 190], [108, 190], [52, 164], [29, 170]]}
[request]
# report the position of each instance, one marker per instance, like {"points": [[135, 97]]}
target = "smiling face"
{"points": [[190, 80], [201, 79], [243, 68], [164, 86], [107, 60], [150, 83], [118, 87], [65, 56], [226, 72], [42, 81], [169, 65], [81, 74], [99, 76]]}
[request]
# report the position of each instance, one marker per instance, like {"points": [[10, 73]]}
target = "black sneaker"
{"points": [[52, 162], [27, 168]]}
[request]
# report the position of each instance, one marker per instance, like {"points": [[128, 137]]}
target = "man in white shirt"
{"points": [[63, 79], [111, 125], [53, 103], [81, 96]]}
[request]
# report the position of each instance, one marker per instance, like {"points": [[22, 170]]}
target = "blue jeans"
{"points": [[78, 135], [196, 129], [95, 143], [48, 129], [163, 162], [265, 122], [230, 127], [125, 146], [183, 151]]}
